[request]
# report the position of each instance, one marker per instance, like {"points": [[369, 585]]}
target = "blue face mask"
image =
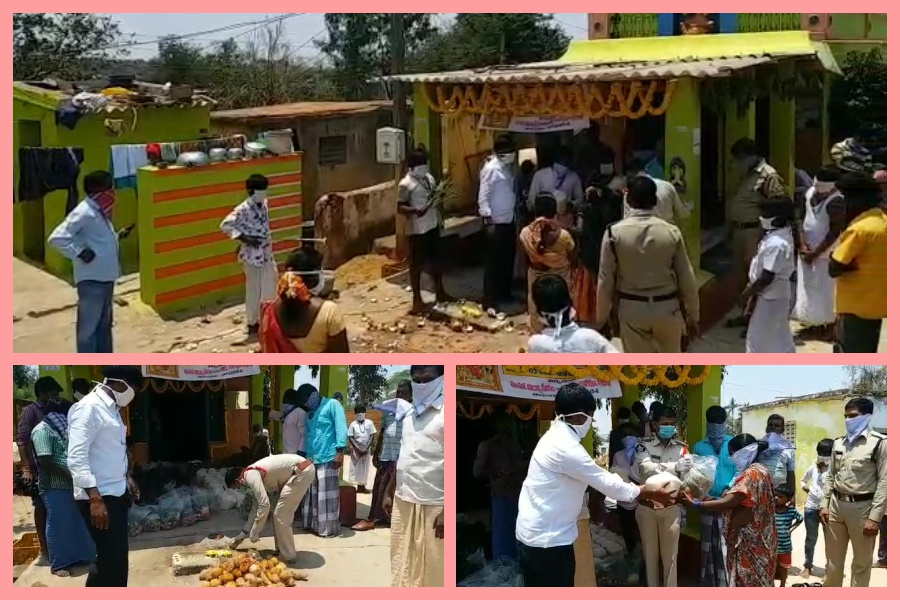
{"points": [[313, 402], [666, 432], [856, 426]]}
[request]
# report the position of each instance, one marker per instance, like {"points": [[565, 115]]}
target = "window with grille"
{"points": [[333, 150], [790, 432]]}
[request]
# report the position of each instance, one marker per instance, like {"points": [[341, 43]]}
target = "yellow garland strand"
{"points": [[643, 375], [472, 414], [514, 409], [553, 100]]}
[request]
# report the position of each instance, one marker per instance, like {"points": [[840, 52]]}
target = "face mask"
{"points": [[78, 396], [580, 430], [745, 164], [259, 196], [314, 400], [767, 224], [106, 201], [559, 169], [607, 169], [666, 432], [856, 426], [624, 421], [617, 184], [507, 159], [823, 188], [420, 171], [555, 320], [825, 461], [319, 287], [424, 394], [360, 417], [123, 399], [744, 457]]}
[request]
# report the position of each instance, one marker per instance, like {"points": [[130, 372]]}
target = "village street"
{"points": [[352, 559], [375, 310]]}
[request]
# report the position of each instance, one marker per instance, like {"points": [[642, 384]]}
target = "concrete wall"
{"points": [[185, 260], [360, 170], [352, 221], [34, 221], [815, 419]]}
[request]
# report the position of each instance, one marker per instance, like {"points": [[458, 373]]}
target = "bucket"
{"points": [[279, 142]]}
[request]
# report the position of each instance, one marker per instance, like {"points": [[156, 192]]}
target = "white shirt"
{"points": [[97, 455], [420, 467], [416, 193], [775, 253], [361, 433], [669, 206], [628, 471], [553, 492], [548, 180], [572, 339], [295, 432], [497, 192], [814, 480]]}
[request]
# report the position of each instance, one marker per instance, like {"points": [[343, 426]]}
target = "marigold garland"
{"points": [[472, 413], [554, 99], [514, 409], [649, 375]]}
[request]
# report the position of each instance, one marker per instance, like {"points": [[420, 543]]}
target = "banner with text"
{"points": [[199, 373], [533, 124], [532, 382]]}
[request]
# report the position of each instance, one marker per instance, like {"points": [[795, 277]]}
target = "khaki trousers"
{"points": [[845, 525], [283, 518], [650, 326], [660, 534], [744, 244], [260, 285]]}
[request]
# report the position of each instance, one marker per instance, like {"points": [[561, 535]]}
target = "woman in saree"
{"points": [[548, 248], [748, 508], [297, 321]]}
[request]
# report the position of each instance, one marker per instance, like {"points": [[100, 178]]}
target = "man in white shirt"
{"points": [[360, 437], [781, 456], [497, 206], [812, 482], [562, 182], [414, 497], [562, 332], [669, 205], [553, 494], [98, 462], [293, 421], [767, 297]]}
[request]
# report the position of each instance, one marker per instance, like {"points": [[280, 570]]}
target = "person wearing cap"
{"points": [[288, 474], [497, 206], [823, 220], [759, 181], [46, 393], [859, 265]]}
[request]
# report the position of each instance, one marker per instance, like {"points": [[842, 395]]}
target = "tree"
{"points": [[359, 46], [67, 46], [24, 376], [858, 102], [367, 384], [484, 39], [735, 422], [866, 379], [394, 380]]}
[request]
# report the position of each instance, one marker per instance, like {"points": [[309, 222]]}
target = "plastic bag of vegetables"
{"points": [[152, 521], [136, 516], [700, 477], [170, 505], [200, 504]]}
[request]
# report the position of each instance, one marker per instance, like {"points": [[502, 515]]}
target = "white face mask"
{"points": [[617, 184], [824, 188], [420, 171], [78, 396], [825, 460], [507, 159], [424, 394], [259, 195], [767, 224], [360, 417], [580, 430], [123, 399], [555, 320]]}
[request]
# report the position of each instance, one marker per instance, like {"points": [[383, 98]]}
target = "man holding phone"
{"points": [[89, 239]]}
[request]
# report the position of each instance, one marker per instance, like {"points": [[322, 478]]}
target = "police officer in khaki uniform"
{"points": [[646, 276], [854, 499], [661, 527], [759, 181]]}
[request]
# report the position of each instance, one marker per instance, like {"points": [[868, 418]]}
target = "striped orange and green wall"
{"points": [[185, 260]]}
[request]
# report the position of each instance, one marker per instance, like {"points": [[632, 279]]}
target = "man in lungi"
{"points": [[288, 474], [360, 436], [326, 439], [387, 450], [713, 570], [415, 495]]}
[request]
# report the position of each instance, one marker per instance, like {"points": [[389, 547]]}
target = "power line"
{"points": [[175, 38]]}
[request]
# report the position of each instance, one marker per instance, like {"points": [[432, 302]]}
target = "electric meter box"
{"points": [[391, 144]]}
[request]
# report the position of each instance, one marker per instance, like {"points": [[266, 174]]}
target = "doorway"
{"points": [[179, 424]]}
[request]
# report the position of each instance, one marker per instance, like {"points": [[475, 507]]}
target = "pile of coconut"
{"points": [[247, 570]]}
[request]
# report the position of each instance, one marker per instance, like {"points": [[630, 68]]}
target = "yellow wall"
{"points": [[464, 148], [185, 260]]}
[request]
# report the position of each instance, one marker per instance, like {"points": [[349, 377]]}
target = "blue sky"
{"points": [[300, 31]]}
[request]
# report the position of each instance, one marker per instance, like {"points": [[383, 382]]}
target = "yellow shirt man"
{"points": [[863, 291]]}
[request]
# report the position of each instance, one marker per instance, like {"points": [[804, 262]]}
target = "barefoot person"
{"points": [[415, 199], [289, 475]]}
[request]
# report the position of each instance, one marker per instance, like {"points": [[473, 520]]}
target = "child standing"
{"points": [[787, 519]]}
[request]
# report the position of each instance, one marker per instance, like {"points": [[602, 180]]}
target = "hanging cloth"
{"points": [[45, 170]]}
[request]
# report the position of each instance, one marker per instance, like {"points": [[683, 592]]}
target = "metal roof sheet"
{"points": [[300, 109]]}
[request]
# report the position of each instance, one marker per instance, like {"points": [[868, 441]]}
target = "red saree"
{"points": [[271, 338]]}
